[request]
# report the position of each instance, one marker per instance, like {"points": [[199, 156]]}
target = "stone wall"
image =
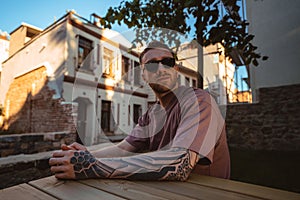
{"points": [[271, 124], [33, 142], [23, 168]]}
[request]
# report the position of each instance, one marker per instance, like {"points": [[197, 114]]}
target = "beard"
{"points": [[160, 89]]}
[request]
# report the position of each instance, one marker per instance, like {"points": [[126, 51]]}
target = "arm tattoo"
{"points": [[172, 164], [86, 166]]}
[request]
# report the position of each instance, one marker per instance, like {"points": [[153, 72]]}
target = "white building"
{"points": [[84, 65], [218, 74], [218, 71]]}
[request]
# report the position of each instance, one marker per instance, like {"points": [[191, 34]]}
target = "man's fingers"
{"points": [[77, 146], [64, 147], [63, 172], [56, 161], [61, 153], [64, 175], [61, 165], [60, 168]]}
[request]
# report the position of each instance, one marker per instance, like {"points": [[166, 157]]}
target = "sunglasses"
{"points": [[152, 65]]}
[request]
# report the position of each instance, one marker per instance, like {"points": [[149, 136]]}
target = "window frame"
{"points": [[87, 47], [108, 54]]}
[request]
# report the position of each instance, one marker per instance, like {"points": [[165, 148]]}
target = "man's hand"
{"points": [[61, 161], [72, 164], [61, 164]]}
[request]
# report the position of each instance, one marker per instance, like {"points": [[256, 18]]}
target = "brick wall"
{"points": [[271, 124], [30, 107]]}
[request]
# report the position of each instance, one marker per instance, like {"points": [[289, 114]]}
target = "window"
{"points": [[194, 83], [85, 47], [187, 81], [125, 69], [108, 59], [106, 116], [137, 112], [137, 74]]}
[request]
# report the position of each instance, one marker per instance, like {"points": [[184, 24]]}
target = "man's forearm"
{"points": [[173, 164], [115, 150]]}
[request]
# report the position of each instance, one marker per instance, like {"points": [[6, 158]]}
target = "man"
{"points": [[183, 132]]}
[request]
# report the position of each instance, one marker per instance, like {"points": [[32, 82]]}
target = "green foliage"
{"points": [[208, 28]]}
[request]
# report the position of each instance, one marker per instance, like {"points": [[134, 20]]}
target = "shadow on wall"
{"points": [[30, 107]]}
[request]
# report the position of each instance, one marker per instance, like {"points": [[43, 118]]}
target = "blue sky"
{"points": [[42, 13]]}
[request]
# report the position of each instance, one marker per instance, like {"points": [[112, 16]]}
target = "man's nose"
{"points": [[160, 67]]}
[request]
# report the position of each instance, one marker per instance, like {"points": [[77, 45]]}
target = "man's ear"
{"points": [[176, 67], [177, 70]]}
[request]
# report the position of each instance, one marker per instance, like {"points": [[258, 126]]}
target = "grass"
{"points": [[268, 168]]}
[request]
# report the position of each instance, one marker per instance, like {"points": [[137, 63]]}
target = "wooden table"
{"points": [[197, 187]]}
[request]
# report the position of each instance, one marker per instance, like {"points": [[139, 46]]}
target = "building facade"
{"points": [[77, 60], [218, 74]]}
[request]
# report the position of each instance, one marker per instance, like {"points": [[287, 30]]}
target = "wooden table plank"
{"points": [[24, 192], [71, 189], [197, 191], [243, 188], [197, 187], [133, 190]]}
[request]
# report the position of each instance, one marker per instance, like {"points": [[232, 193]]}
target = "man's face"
{"points": [[165, 78]]}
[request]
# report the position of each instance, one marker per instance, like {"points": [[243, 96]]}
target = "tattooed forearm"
{"points": [[184, 168], [173, 164], [87, 166]]}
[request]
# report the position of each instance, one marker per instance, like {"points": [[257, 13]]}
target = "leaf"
{"points": [[248, 38], [265, 58], [255, 63]]}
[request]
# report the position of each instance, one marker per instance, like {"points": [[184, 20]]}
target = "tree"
{"points": [[209, 27]]}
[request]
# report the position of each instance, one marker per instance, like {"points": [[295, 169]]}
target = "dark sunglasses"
{"points": [[152, 65]]}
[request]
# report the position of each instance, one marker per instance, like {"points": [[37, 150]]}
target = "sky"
{"points": [[42, 13]]}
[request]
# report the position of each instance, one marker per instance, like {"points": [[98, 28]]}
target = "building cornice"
{"points": [[71, 79], [78, 24]]}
